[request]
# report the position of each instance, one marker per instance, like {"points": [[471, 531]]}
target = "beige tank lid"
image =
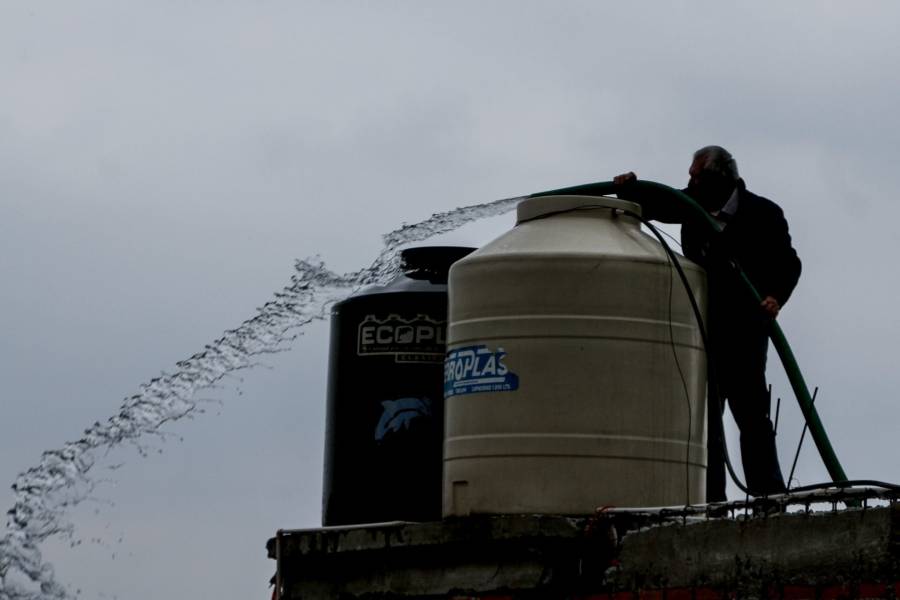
{"points": [[532, 208]]}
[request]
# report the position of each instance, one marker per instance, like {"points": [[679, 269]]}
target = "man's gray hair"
{"points": [[718, 160]]}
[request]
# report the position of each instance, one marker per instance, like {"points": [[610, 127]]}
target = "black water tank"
{"points": [[384, 434]]}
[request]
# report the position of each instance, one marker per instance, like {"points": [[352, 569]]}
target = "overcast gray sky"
{"points": [[162, 164]]}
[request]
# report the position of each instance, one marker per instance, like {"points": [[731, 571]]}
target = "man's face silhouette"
{"points": [[711, 190]]}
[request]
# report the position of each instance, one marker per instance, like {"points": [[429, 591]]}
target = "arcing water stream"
{"points": [[62, 478]]}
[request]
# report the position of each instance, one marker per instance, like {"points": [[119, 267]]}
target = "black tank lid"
{"points": [[431, 262]]}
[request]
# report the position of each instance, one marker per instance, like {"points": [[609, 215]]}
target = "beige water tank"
{"points": [[575, 374]]}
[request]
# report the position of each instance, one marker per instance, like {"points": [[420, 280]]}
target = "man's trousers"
{"points": [[737, 360]]}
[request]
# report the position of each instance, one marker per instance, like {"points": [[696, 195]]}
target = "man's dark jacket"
{"points": [[756, 237]]}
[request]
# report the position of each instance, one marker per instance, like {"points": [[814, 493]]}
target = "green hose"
{"points": [[798, 384]]}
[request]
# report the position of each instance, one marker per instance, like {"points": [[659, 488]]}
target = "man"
{"points": [[755, 236]]}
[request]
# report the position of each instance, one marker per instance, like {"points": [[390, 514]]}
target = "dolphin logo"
{"points": [[400, 413]]}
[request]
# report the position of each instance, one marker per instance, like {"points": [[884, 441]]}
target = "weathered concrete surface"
{"points": [[814, 549], [471, 555], [544, 556]]}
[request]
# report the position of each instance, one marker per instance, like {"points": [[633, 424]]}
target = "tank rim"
{"points": [[541, 206]]}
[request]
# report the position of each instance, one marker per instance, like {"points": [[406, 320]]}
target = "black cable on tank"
{"points": [[713, 387]]}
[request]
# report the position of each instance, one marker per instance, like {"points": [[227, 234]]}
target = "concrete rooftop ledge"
{"points": [[842, 554]]}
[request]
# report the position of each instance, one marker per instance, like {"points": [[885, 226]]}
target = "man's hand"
{"points": [[771, 306], [624, 178]]}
